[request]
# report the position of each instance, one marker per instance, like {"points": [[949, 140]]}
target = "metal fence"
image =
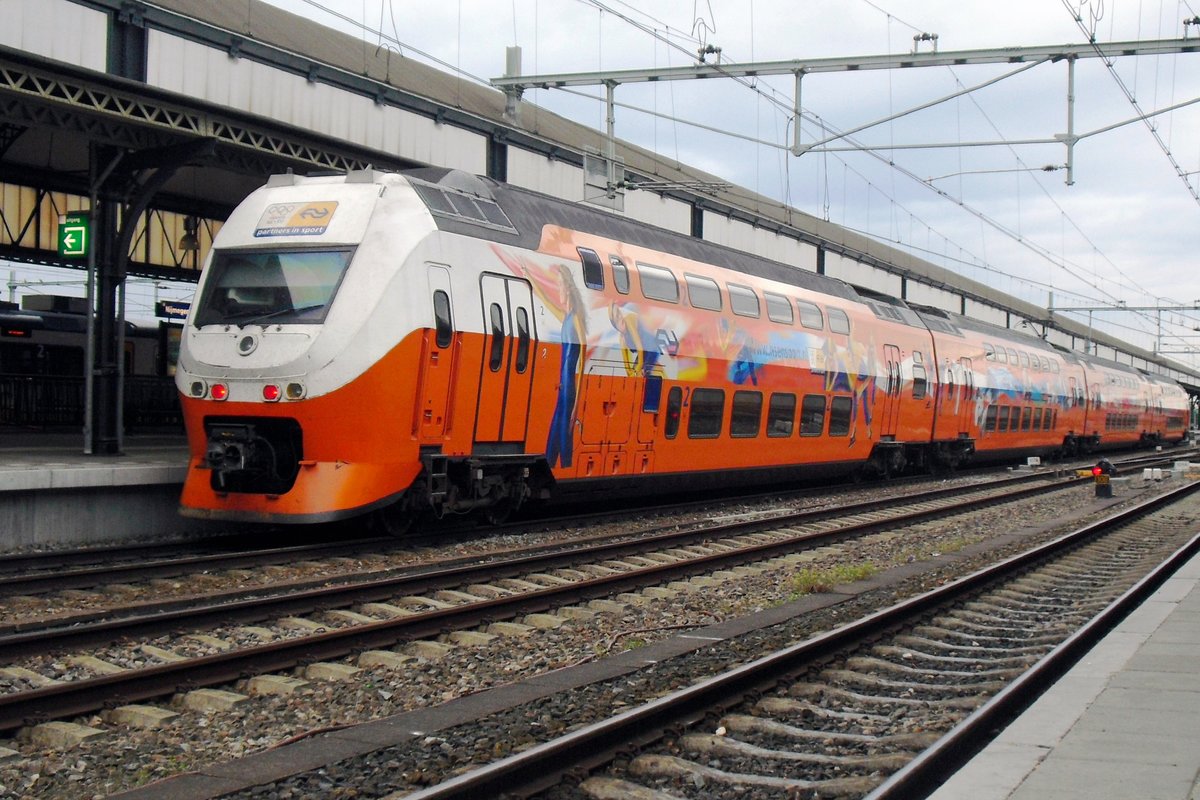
{"points": [[50, 401]]}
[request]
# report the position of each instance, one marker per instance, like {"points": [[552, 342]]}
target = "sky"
{"points": [[1126, 232]]}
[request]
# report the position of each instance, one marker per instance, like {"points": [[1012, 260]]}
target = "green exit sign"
{"points": [[74, 234]]}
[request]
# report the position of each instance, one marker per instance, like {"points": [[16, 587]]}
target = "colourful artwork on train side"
{"points": [[606, 330], [677, 343]]}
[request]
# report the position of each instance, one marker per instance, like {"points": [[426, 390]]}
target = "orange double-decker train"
{"points": [[431, 341]]}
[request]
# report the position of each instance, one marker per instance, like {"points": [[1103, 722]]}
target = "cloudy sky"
{"points": [[1128, 230]]}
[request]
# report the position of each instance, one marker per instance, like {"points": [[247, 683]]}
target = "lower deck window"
{"points": [[812, 415], [747, 413], [781, 414], [839, 415], [707, 409]]}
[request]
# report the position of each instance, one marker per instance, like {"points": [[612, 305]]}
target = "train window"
{"points": [[443, 323], [1053, 418], [838, 321], [651, 394], [703, 292], [747, 414], [593, 269], [1000, 357], [989, 419], [674, 407], [812, 415], [1054, 366], [810, 315], [1026, 417], [919, 379], [779, 309], [989, 352], [1002, 420], [781, 414], [707, 410], [522, 339], [1012, 356], [742, 300], [658, 283], [497, 347], [839, 415], [1024, 359], [289, 287], [620, 274]]}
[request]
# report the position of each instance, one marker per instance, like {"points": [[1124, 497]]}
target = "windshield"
{"points": [[291, 287]]}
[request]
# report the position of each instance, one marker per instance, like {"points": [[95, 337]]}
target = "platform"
{"points": [[52, 494], [1123, 723]]}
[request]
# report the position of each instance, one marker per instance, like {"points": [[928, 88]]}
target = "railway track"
{"points": [[444, 666], [427, 603], [885, 706], [87, 568]]}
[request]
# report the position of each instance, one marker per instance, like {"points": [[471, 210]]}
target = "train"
{"points": [[43, 346], [432, 342]]}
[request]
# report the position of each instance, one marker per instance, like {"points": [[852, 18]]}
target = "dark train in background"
{"points": [[43, 349], [436, 342]]}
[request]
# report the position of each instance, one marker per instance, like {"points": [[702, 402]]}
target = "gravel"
{"points": [[125, 758]]}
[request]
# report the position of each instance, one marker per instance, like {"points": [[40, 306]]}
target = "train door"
{"points": [[506, 372], [966, 409], [890, 418], [438, 352]]}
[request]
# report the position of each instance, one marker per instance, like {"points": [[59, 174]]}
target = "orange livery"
{"points": [[436, 342]]}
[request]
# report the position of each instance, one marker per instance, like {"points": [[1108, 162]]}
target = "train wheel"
{"points": [[392, 520], [499, 513]]}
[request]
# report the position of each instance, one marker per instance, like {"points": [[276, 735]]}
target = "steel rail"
{"points": [[88, 695], [934, 765], [32, 573], [544, 765], [106, 625], [169, 567]]}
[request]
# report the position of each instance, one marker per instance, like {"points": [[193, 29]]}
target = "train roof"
{"points": [[529, 211]]}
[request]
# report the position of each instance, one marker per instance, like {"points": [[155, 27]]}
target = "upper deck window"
{"points": [[620, 274], [272, 287], [743, 300], [658, 283], [593, 269], [779, 308], [839, 322], [810, 315], [703, 292]]}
